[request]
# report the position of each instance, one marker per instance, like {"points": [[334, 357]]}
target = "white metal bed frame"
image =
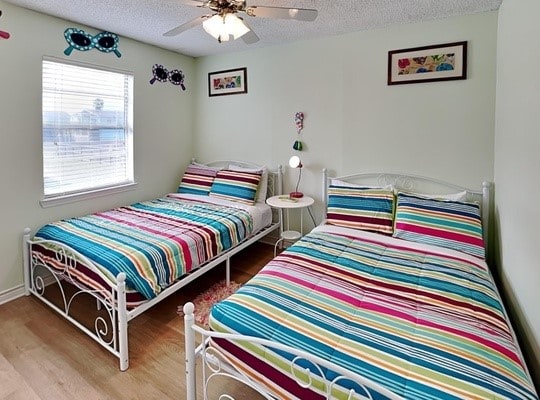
{"points": [[214, 363], [111, 332]]}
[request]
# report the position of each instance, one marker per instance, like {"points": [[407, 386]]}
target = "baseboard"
{"points": [[11, 294], [18, 291]]}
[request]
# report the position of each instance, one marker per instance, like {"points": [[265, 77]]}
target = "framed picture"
{"points": [[231, 81], [439, 62]]}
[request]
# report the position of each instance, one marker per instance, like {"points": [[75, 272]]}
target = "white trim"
{"points": [[77, 63], [54, 201], [11, 294]]}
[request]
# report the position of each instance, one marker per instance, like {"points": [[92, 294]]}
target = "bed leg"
{"points": [[189, 337], [26, 261], [228, 271], [122, 322]]}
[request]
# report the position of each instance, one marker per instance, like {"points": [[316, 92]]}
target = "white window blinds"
{"points": [[87, 128]]}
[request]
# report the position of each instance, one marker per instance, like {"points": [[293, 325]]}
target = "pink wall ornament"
{"points": [[299, 121]]}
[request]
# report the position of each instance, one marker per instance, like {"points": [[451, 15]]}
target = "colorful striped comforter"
{"points": [[154, 242], [424, 322]]}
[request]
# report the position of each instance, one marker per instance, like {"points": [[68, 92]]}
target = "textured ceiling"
{"points": [[147, 20]]}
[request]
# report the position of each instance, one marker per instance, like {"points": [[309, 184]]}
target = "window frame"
{"points": [[89, 193]]}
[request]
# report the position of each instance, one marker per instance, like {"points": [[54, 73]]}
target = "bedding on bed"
{"points": [[423, 321], [154, 242]]}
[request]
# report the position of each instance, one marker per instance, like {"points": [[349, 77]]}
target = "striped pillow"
{"points": [[452, 224], [368, 209], [197, 179], [236, 186]]}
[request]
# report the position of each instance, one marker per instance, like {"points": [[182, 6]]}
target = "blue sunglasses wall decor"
{"points": [[161, 74], [82, 41]]}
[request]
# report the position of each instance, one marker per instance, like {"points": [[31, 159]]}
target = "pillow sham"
{"points": [[260, 196], [236, 186], [451, 224], [197, 179], [360, 208]]}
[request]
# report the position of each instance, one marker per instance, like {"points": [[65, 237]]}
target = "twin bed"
{"points": [[130, 258], [390, 298]]}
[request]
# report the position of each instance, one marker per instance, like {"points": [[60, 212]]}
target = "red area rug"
{"points": [[204, 301]]}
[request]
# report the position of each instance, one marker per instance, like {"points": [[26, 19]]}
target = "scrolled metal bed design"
{"points": [[351, 311], [50, 263]]}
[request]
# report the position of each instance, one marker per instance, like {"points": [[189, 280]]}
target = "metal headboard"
{"points": [[421, 185]]}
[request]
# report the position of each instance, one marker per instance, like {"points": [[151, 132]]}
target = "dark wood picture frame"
{"points": [[440, 62], [229, 81]]}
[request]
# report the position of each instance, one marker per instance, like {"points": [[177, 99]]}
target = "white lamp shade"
{"points": [[294, 162], [236, 26], [223, 27]]}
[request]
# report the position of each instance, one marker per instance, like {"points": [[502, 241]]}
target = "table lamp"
{"points": [[294, 162]]}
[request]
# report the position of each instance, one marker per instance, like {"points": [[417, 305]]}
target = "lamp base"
{"points": [[296, 195]]}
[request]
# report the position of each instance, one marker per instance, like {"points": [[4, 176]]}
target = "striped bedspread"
{"points": [[424, 322], [154, 242]]}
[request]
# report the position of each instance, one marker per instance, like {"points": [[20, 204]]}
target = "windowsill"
{"points": [[72, 198]]}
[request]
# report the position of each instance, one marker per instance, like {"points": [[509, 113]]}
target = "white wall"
{"points": [[517, 162], [353, 120], [162, 127]]}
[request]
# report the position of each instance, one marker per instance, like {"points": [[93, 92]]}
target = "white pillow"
{"points": [[208, 166], [260, 196], [337, 182], [459, 196]]}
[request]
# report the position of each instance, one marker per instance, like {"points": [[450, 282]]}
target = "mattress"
{"points": [[422, 321], [260, 212], [154, 242]]}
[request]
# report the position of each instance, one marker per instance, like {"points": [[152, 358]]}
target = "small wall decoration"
{"points": [[299, 123], [161, 74], [439, 62], [4, 34], [82, 41], [231, 81]]}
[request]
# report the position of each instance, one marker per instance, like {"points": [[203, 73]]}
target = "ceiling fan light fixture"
{"points": [[293, 12], [237, 26], [222, 27], [214, 27]]}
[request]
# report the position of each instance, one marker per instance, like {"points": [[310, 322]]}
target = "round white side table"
{"points": [[286, 203]]}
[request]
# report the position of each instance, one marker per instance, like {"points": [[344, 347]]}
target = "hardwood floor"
{"points": [[43, 356]]}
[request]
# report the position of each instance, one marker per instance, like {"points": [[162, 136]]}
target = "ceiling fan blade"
{"points": [[188, 25], [250, 37], [301, 14], [196, 3]]}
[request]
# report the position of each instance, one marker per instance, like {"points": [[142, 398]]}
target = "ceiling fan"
{"points": [[223, 21]]}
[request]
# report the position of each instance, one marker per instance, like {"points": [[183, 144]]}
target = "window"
{"points": [[87, 129]]}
